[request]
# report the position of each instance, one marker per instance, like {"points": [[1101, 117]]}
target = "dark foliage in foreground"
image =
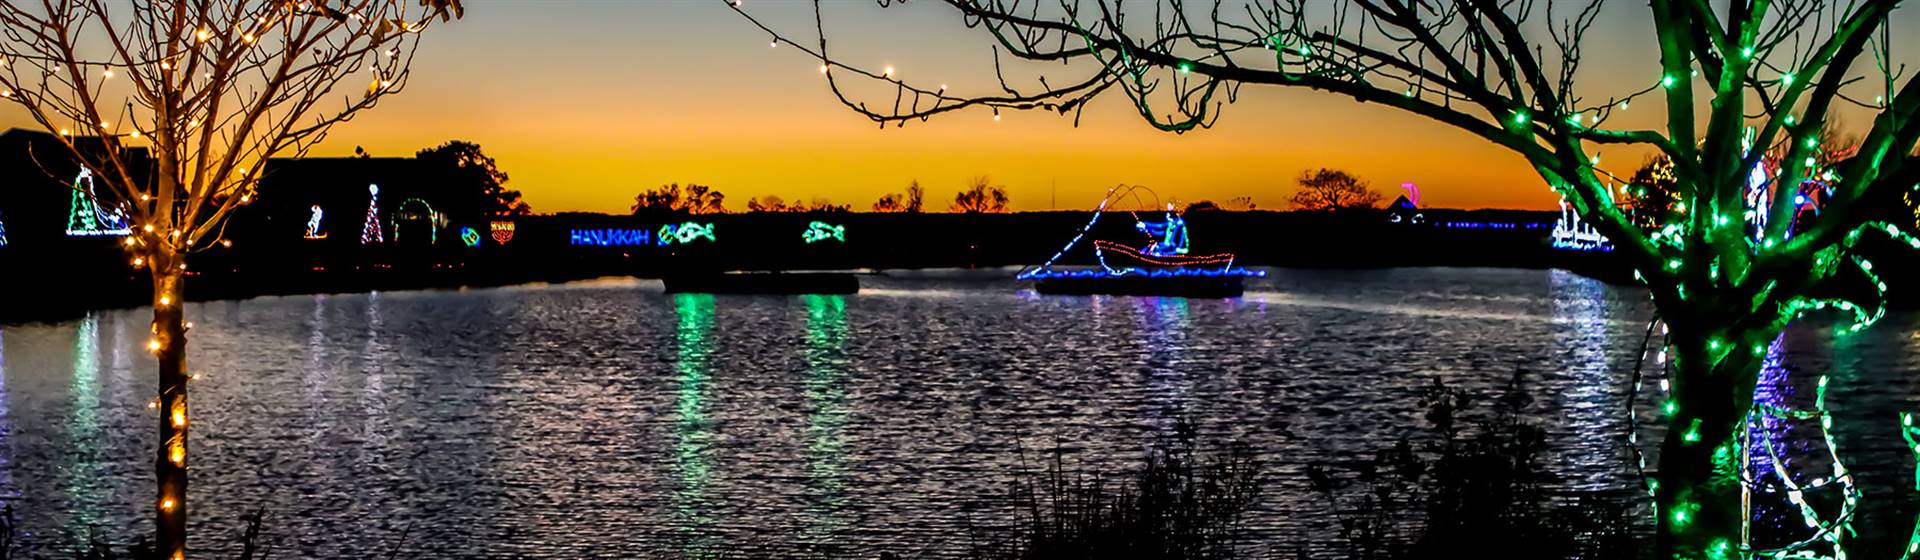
{"points": [[1177, 505], [1469, 491]]}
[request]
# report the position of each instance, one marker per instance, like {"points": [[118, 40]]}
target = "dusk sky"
{"points": [[586, 103]]}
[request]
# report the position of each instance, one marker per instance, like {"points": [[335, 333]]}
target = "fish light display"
{"points": [[822, 231]]}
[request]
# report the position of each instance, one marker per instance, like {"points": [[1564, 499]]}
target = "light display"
{"points": [[502, 232], [313, 224], [3, 233], [1167, 237], [469, 236], [822, 231], [1493, 225], [684, 233], [1572, 234], [610, 237], [1165, 255], [416, 210], [85, 217], [372, 234]]}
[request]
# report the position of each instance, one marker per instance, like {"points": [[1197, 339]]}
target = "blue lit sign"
{"points": [[612, 237]]}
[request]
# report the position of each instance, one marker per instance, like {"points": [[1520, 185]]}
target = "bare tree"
{"points": [[981, 195], [916, 198], [896, 202], [1332, 189], [1734, 82], [212, 88]]}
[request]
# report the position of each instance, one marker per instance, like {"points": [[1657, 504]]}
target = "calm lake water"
{"points": [[606, 419]]}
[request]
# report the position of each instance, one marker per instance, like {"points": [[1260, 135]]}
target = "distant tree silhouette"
{"points": [[695, 199], [916, 197], [1332, 189], [472, 182], [768, 203], [1235, 204], [981, 196], [1203, 205], [896, 202]]}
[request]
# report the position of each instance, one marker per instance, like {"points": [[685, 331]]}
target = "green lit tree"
{"points": [[211, 89], [1733, 81]]}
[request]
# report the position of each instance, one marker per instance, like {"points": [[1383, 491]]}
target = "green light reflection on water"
{"points": [[827, 365], [693, 516]]}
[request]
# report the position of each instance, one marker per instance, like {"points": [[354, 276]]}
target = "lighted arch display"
{"points": [[416, 210]]}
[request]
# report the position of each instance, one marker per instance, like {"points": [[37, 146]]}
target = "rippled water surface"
{"points": [[606, 419]]}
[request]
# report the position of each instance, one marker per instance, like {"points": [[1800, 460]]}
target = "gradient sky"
{"points": [[587, 102]]}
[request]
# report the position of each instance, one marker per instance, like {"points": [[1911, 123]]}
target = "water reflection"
{"points": [[1587, 411], [82, 481], [694, 435], [8, 491], [826, 363], [1165, 335]]}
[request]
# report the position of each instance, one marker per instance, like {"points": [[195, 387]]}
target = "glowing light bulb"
{"points": [[166, 300], [823, 69], [889, 72], [65, 132], [176, 455], [137, 261], [147, 228], [203, 35], [153, 345], [106, 74], [179, 416], [166, 504], [226, 243]]}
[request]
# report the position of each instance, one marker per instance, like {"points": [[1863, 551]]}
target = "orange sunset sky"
{"points": [[587, 102]]}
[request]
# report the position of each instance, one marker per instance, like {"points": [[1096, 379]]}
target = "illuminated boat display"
{"points": [[1163, 266]]}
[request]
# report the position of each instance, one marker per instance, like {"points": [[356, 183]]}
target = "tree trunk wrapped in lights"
{"points": [[175, 110], [1725, 278]]}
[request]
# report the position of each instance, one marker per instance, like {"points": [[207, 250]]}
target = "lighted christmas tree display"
{"points": [[1737, 84], [371, 233], [85, 217]]}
